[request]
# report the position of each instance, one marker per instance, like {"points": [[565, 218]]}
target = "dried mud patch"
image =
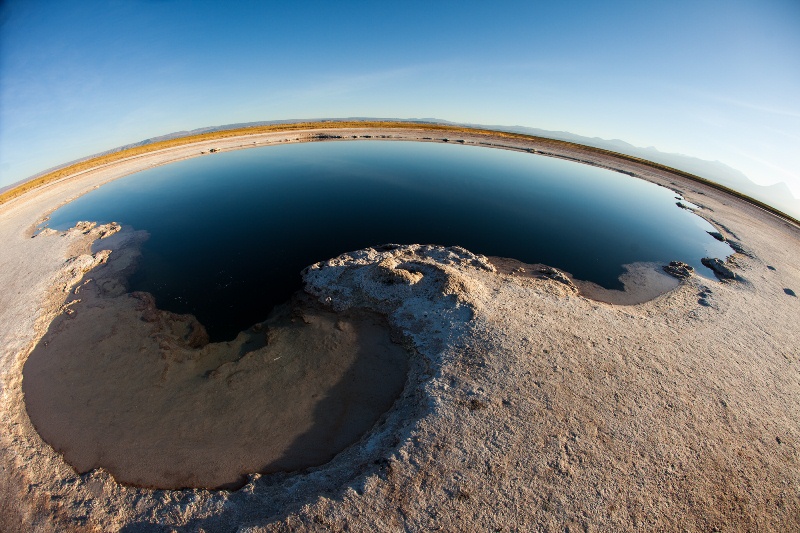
{"points": [[135, 398], [118, 384]]}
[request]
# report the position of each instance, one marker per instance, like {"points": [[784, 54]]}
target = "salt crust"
{"points": [[528, 407]]}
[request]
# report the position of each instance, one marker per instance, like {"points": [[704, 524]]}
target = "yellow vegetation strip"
{"points": [[95, 162]]}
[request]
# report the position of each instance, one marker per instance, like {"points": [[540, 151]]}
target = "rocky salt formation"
{"points": [[721, 270], [679, 269], [421, 289]]}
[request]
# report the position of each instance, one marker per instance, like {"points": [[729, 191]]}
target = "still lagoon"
{"points": [[230, 232]]}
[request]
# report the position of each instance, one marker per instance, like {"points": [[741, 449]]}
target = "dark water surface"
{"points": [[230, 232]]}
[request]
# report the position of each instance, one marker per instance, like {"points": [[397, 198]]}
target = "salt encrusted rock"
{"points": [[391, 273], [720, 269], [739, 248], [93, 230], [45, 232], [679, 269], [557, 275], [418, 287]]}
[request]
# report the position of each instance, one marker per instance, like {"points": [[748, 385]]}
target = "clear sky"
{"points": [[718, 80]]}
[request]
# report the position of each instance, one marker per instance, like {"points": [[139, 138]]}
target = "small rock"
{"points": [[45, 232], [705, 291], [739, 248], [197, 336], [556, 275], [720, 269], [476, 405], [679, 269]]}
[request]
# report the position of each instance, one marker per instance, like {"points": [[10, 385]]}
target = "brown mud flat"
{"points": [[527, 405], [118, 384]]}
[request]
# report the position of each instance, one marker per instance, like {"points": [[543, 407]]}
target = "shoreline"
{"points": [[527, 406], [635, 290], [93, 162]]}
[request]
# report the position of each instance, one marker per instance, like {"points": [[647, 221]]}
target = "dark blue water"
{"points": [[230, 232]]}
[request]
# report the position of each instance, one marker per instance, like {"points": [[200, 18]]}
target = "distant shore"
{"points": [[344, 129]]}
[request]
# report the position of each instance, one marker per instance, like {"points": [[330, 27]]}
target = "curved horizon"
{"points": [[787, 211], [686, 78]]}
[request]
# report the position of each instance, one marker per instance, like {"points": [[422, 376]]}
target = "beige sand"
{"points": [[527, 407]]}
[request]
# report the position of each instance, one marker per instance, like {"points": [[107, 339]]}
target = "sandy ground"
{"points": [[527, 406]]}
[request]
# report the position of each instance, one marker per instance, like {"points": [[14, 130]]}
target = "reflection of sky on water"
{"points": [[231, 232]]}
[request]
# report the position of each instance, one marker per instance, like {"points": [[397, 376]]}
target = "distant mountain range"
{"points": [[778, 195]]}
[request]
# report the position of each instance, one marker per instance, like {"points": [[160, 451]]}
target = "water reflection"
{"points": [[230, 232]]}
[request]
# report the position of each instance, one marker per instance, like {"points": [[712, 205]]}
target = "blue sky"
{"points": [[718, 80]]}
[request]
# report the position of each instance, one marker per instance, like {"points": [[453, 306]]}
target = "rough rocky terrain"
{"points": [[527, 406]]}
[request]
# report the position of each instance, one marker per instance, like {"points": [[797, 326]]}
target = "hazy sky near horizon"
{"points": [[718, 80]]}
